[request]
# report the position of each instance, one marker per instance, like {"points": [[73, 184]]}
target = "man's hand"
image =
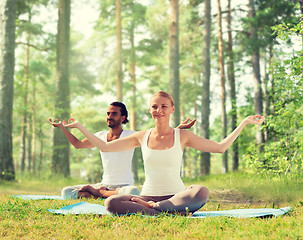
{"points": [[187, 124], [55, 123], [72, 123], [97, 192]]}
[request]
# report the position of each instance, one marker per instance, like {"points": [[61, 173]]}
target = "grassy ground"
{"points": [[25, 219]]}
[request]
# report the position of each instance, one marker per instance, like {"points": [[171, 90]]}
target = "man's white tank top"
{"points": [[162, 168], [117, 166]]}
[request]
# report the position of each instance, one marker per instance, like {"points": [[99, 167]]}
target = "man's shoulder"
{"points": [[128, 132], [101, 133]]}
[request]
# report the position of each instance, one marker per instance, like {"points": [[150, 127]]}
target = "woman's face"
{"points": [[161, 108]]}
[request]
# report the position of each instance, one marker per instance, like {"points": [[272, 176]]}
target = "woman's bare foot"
{"points": [[149, 204]]}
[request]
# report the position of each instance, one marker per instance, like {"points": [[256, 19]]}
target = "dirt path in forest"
{"points": [[232, 197]]}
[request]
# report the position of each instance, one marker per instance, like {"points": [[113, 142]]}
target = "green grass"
{"points": [[27, 219]]}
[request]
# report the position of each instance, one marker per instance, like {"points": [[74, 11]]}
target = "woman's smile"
{"points": [[158, 115], [160, 107]]}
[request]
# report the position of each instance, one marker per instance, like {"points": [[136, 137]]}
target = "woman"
{"points": [[162, 148]]}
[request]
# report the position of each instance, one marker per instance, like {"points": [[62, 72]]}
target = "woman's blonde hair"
{"points": [[166, 95]]}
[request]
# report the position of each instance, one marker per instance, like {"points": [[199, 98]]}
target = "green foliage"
{"points": [[93, 115], [268, 13], [93, 73], [82, 79], [283, 152]]}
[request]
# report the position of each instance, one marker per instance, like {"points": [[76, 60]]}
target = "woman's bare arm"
{"points": [[118, 145], [189, 139]]}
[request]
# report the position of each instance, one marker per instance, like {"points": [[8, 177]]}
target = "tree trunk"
{"points": [[258, 100], [25, 98], [174, 78], [61, 151], [233, 98], [205, 156], [29, 145], [41, 151], [222, 78], [34, 127], [184, 158], [272, 94], [132, 72], [301, 8], [266, 102], [119, 51], [7, 63]]}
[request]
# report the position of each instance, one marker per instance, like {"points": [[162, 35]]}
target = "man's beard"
{"points": [[112, 123]]}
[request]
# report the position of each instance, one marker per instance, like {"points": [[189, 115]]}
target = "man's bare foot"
{"points": [[84, 194], [103, 191]]}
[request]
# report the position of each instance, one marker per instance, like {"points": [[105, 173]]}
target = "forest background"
{"points": [[220, 63]]}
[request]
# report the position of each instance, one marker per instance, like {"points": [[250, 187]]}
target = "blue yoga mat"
{"points": [[244, 213], [81, 208], [39, 197], [89, 208]]}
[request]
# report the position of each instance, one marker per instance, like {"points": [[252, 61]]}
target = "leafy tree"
{"points": [[222, 78], [284, 154], [119, 50], [255, 59], [133, 18], [190, 75], [231, 77], [25, 11], [61, 147], [174, 78], [205, 157], [7, 62], [154, 48], [261, 17]]}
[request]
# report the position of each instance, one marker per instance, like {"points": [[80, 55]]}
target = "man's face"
{"points": [[114, 118]]}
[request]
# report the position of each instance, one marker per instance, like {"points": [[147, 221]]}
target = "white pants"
{"points": [[71, 192]]}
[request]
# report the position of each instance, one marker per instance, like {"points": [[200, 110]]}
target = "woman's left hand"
{"points": [[187, 124], [256, 119]]}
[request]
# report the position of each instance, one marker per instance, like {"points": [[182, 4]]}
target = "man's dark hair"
{"points": [[122, 109]]}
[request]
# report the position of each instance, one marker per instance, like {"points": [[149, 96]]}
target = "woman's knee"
{"points": [[114, 203], [200, 192], [110, 203]]}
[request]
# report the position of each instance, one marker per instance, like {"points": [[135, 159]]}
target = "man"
{"points": [[117, 176]]}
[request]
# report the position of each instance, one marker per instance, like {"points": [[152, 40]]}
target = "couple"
{"points": [[162, 149], [117, 176]]}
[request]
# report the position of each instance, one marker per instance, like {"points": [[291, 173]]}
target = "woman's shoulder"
{"points": [[186, 136], [140, 134], [185, 131]]}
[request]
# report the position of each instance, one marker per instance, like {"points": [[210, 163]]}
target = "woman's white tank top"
{"points": [[162, 168]]}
